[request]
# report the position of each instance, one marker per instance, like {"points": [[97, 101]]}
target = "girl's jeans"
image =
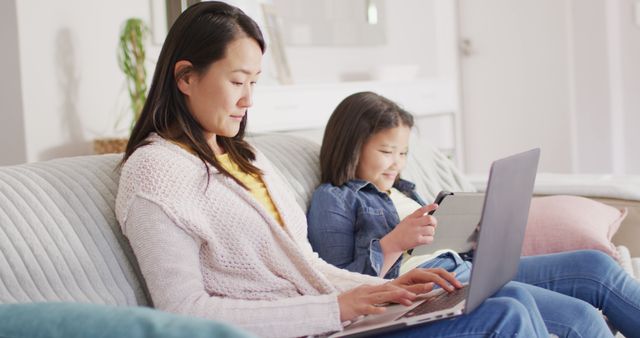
{"points": [[578, 278]]}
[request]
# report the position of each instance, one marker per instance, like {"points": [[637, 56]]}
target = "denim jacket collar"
{"points": [[358, 184]]}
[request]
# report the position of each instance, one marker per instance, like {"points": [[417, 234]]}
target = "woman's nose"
{"points": [[246, 100]]}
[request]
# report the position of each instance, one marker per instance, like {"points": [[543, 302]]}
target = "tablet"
{"points": [[458, 215]]}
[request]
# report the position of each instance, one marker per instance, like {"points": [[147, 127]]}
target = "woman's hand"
{"points": [[420, 280], [416, 229], [367, 299]]}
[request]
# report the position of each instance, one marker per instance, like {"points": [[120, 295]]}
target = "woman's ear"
{"points": [[182, 73]]}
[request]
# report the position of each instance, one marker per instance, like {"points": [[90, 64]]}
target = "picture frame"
{"points": [[276, 44]]}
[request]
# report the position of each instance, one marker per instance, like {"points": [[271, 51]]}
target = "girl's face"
{"points": [[219, 98], [383, 156]]}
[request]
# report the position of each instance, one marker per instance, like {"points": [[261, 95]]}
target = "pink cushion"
{"points": [[564, 223]]}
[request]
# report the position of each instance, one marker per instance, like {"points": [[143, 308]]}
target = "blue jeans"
{"points": [[589, 276], [564, 284], [452, 263], [511, 312]]}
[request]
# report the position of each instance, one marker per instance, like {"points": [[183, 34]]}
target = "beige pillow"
{"points": [[564, 223]]}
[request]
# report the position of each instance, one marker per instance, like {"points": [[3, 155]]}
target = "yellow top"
{"points": [[254, 183]]}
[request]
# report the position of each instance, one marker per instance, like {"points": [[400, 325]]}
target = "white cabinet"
{"points": [[296, 108]]}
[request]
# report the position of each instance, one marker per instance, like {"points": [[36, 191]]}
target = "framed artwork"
{"points": [[276, 44]]}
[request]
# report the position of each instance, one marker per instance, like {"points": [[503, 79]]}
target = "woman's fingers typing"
{"points": [[367, 299], [387, 293], [420, 288], [416, 279]]}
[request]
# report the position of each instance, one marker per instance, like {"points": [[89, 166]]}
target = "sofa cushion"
{"points": [[59, 237], [432, 171], [75, 320], [563, 223]]}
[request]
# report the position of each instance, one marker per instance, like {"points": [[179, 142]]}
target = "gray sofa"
{"points": [[60, 241]]}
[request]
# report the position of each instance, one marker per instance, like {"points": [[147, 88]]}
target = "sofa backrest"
{"points": [[59, 238], [60, 241], [432, 171]]}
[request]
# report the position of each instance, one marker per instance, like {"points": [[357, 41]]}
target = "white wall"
{"points": [[590, 78], [73, 91], [562, 75], [604, 54], [606, 70], [515, 82], [411, 39], [630, 74], [72, 88], [12, 136]]}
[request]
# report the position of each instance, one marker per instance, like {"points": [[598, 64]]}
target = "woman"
{"points": [[218, 235], [364, 217]]}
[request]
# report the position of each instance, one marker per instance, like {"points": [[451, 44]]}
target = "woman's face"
{"points": [[219, 98], [383, 156]]}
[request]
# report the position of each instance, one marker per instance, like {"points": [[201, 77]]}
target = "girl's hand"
{"points": [[367, 299], [416, 229]]}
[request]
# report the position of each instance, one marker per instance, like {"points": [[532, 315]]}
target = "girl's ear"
{"points": [[183, 75]]}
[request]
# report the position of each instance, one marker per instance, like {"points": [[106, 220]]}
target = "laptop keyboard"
{"points": [[442, 301]]}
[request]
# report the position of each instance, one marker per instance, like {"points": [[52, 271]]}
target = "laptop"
{"points": [[502, 225]]}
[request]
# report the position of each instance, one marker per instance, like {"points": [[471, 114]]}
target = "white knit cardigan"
{"points": [[211, 250]]}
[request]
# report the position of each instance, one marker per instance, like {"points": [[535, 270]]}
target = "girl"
{"points": [[218, 235], [364, 216]]}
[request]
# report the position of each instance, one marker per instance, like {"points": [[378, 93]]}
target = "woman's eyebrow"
{"points": [[245, 71]]}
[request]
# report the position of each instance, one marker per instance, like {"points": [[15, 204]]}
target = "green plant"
{"points": [[131, 59]]}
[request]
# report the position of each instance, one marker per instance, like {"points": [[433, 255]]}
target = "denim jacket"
{"points": [[346, 224]]}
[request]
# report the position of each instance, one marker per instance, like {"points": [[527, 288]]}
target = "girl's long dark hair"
{"points": [[354, 120], [200, 35]]}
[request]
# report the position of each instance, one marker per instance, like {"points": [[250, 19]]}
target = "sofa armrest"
{"points": [[80, 320], [615, 190], [624, 187], [629, 232]]}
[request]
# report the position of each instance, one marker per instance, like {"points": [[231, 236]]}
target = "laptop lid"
{"points": [[502, 224]]}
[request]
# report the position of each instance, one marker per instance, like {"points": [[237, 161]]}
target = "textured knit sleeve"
{"points": [[169, 260], [340, 278]]}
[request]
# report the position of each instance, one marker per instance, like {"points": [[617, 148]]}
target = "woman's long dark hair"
{"points": [[200, 35], [354, 120]]}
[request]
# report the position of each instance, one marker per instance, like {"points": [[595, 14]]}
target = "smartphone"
{"points": [[441, 195]]}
